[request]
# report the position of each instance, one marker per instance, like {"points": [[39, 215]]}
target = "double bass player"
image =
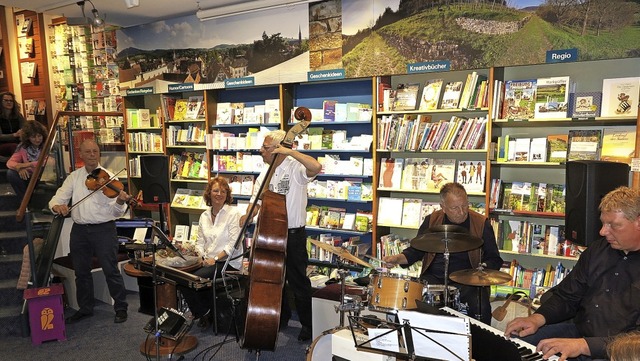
{"points": [[292, 172]]}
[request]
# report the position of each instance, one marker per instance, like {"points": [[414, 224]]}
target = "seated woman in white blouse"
{"points": [[218, 230]]}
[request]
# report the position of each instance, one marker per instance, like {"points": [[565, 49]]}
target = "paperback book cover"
{"points": [[431, 94], [584, 144], [558, 145], [552, 97], [391, 173], [471, 174], [441, 171], [390, 211], [586, 105], [406, 97], [618, 144], [451, 96], [414, 175], [519, 99], [411, 212], [620, 97]]}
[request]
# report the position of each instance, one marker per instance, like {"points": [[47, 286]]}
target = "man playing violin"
{"points": [[292, 172], [93, 233]]}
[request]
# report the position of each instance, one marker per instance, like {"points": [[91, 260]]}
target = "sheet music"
{"points": [[436, 336]]}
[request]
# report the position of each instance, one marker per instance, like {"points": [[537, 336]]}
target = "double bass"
{"points": [[267, 263]]}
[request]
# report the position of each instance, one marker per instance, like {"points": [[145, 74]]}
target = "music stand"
{"points": [[449, 337]]}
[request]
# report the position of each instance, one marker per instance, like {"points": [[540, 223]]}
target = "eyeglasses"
{"points": [[7, 100]]}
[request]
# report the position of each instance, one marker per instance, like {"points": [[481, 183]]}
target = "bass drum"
{"points": [[320, 349]]}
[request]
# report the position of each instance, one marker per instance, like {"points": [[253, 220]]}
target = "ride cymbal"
{"points": [[455, 242], [340, 252], [480, 277]]}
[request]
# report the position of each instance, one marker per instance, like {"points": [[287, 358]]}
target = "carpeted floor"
{"points": [[98, 338]]}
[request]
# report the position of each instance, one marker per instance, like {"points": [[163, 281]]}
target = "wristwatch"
{"points": [[216, 258]]}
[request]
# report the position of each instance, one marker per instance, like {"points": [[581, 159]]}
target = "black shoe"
{"points": [[121, 316], [305, 334], [284, 323], [77, 317]]}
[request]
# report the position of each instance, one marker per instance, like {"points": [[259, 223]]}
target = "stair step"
{"points": [[11, 321], [12, 242], [10, 266]]}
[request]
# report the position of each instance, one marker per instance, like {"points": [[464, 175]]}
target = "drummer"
{"points": [[455, 211]]}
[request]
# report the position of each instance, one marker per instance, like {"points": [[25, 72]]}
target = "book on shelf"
{"points": [[329, 110], [541, 204], [451, 95], [223, 113], [558, 145], [390, 211], [194, 104], [520, 196], [181, 197], [618, 144], [521, 149], [494, 196], [620, 97], [391, 172], [426, 208], [349, 222], [430, 98], [471, 174], [414, 174], [519, 99], [193, 234], [196, 198], [364, 220], [586, 104], [246, 187], [556, 194], [552, 97], [411, 212], [538, 149], [180, 111], [406, 97], [237, 113], [181, 233], [441, 171], [584, 144]]}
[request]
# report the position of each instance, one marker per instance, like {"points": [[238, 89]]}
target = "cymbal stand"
{"points": [[480, 268], [154, 274], [343, 307], [446, 270]]}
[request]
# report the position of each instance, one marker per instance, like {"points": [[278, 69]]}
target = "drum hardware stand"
{"points": [[480, 268], [354, 307], [446, 270]]}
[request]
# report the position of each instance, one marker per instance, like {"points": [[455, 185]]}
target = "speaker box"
{"points": [[586, 183], [155, 178]]}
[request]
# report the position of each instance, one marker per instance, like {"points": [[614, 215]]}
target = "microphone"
{"points": [[165, 241]]}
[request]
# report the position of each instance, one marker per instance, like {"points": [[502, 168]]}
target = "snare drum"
{"points": [[434, 296], [394, 292]]}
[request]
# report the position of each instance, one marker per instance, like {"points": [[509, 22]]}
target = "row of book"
{"points": [[555, 97], [176, 109], [430, 174], [334, 111], [392, 244], [355, 165], [189, 198], [251, 139], [189, 165], [239, 162], [193, 134], [346, 189], [338, 218], [531, 279], [240, 113], [145, 142], [532, 238], [610, 144], [417, 133], [436, 94], [140, 118], [318, 138], [185, 233], [527, 196], [411, 212]]}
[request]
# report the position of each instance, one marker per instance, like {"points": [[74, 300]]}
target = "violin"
{"points": [[99, 179]]}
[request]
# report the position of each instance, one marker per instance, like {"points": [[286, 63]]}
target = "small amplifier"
{"points": [[171, 324]]}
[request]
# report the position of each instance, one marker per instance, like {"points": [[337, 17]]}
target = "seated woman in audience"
{"points": [[24, 160], [218, 230], [11, 123]]}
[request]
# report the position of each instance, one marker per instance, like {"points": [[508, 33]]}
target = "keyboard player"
{"points": [[600, 297]]}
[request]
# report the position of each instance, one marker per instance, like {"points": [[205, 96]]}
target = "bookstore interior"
{"points": [[529, 144]]}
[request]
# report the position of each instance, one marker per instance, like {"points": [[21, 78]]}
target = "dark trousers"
{"points": [[558, 330], [296, 276], [99, 240], [18, 184], [201, 301]]}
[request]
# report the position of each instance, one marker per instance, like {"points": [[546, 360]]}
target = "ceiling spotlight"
{"points": [[95, 21]]}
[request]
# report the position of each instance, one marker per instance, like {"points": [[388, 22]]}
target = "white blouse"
{"points": [[221, 235]]}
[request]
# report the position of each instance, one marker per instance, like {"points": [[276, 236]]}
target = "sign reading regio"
{"points": [[562, 56], [239, 82], [429, 67], [320, 75], [184, 87], [140, 91]]}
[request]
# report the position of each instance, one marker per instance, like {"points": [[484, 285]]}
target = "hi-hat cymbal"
{"points": [[340, 252], [480, 277], [455, 238]]}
